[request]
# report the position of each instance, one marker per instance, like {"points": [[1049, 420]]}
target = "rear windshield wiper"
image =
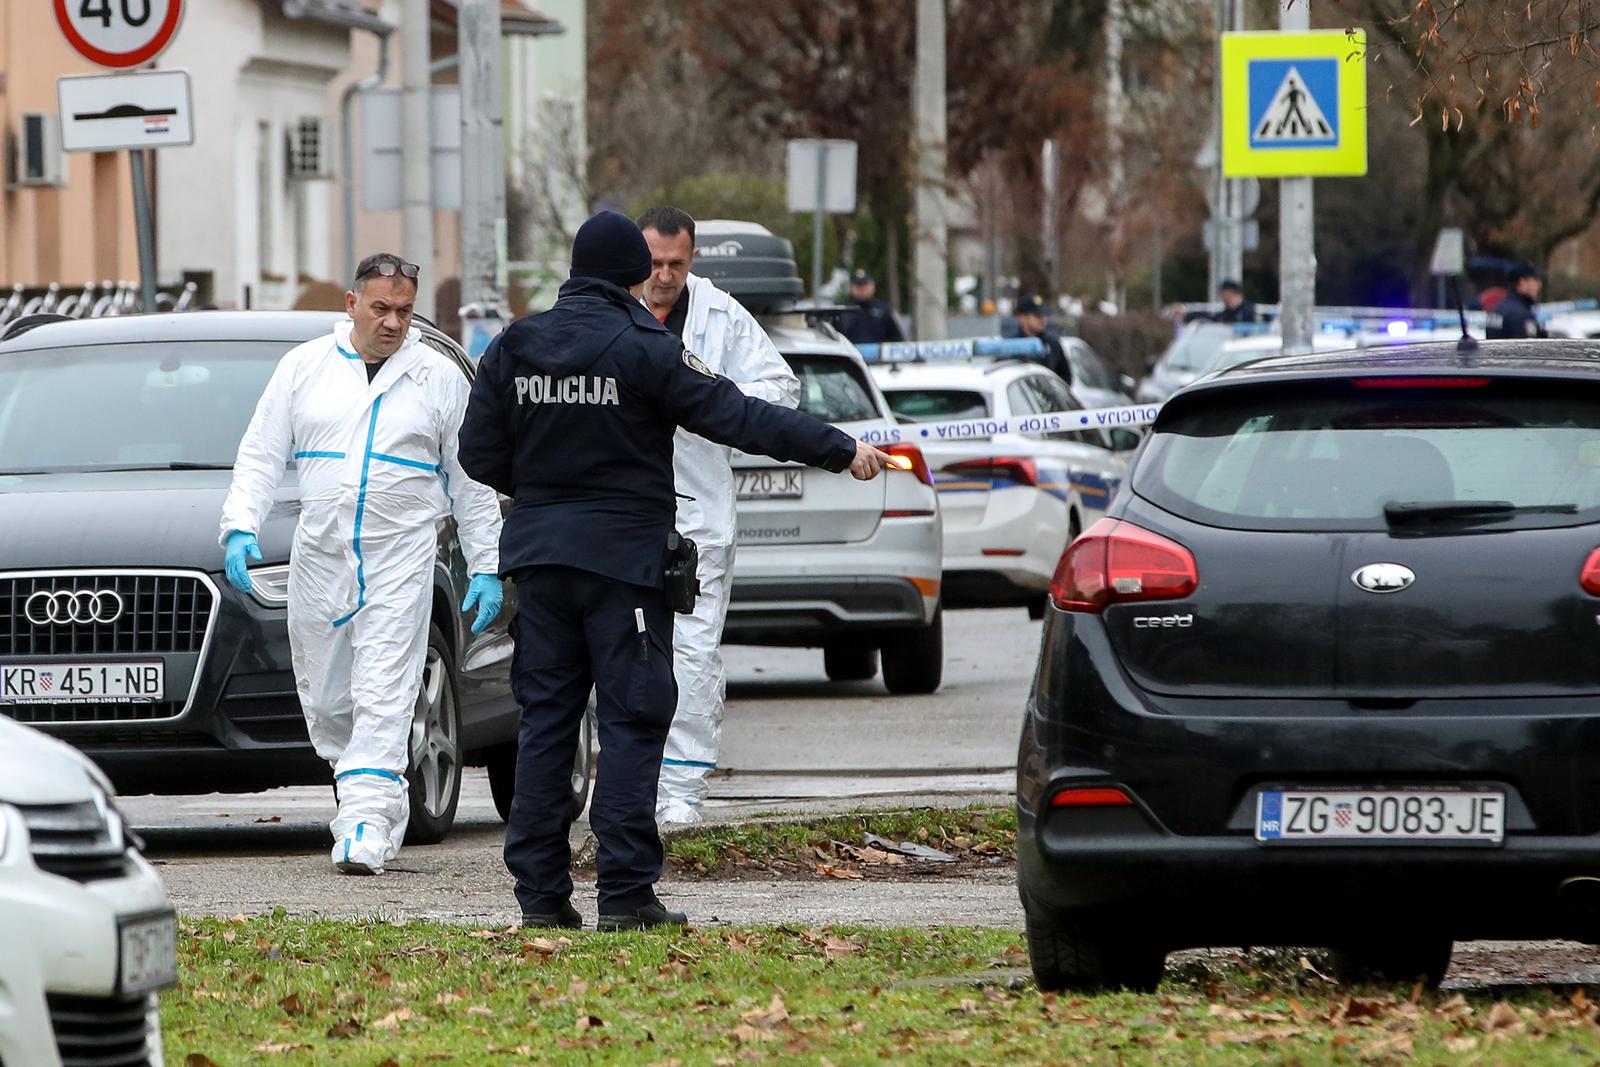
{"points": [[1400, 514]]}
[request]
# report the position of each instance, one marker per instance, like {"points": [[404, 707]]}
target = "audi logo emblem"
{"points": [[83, 606]]}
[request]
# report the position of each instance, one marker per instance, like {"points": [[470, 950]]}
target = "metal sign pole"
{"points": [[1297, 257], [816, 221], [146, 232]]}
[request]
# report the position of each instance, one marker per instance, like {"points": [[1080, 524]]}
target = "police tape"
{"points": [[1048, 422], [956, 348]]}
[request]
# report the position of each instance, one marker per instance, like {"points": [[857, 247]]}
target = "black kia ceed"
{"points": [[1328, 673], [118, 632]]}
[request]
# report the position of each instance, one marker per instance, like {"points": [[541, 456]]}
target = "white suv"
{"points": [[87, 935]]}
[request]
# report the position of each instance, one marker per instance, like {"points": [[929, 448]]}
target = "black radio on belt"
{"points": [[681, 579]]}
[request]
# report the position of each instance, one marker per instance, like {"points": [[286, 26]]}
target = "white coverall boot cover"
{"points": [[378, 472], [695, 739], [731, 343]]}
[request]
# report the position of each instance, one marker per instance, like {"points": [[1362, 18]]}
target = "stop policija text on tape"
{"points": [[1048, 422]]}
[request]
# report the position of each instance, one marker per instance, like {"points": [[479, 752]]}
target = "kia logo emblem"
{"points": [[63, 606], [1383, 577]]}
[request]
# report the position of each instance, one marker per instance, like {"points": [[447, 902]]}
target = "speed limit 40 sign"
{"points": [[119, 33]]}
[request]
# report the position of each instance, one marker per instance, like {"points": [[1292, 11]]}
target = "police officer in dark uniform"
{"points": [[1514, 315], [1033, 321], [869, 321], [572, 416]]}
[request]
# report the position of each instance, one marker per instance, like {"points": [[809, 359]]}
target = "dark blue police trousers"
{"points": [[574, 631]]}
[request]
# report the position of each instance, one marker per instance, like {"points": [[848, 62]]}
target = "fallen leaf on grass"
{"points": [[198, 1059], [1503, 1017], [772, 1015], [490, 935], [837, 872], [544, 946], [348, 1028], [750, 1035], [1398, 1045], [590, 1022], [392, 1020], [1251, 1037], [1461, 1044], [292, 1005], [276, 1047]]}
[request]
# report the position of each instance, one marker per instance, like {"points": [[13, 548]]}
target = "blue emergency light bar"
{"points": [[954, 348]]}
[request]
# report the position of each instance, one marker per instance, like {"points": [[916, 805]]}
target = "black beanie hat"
{"points": [[610, 247]]}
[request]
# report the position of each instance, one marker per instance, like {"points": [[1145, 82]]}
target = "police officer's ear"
{"points": [[637, 291]]}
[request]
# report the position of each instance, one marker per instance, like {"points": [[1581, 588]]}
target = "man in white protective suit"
{"points": [[728, 339], [370, 414]]}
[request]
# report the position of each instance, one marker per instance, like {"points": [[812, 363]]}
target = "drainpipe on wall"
{"points": [[347, 151]]}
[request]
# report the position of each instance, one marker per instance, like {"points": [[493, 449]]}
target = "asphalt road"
{"points": [[792, 741]]}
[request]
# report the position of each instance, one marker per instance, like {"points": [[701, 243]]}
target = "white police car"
{"points": [[824, 560], [1011, 502], [87, 935]]}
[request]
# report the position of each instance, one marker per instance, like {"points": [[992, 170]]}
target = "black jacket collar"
{"points": [[611, 293]]}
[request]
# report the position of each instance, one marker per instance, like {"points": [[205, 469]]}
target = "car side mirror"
{"points": [[1124, 440]]}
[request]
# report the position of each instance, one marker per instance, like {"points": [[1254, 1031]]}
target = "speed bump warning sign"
{"points": [[1294, 105]]}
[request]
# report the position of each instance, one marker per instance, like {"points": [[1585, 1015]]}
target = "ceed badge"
{"points": [[695, 363], [1384, 577]]}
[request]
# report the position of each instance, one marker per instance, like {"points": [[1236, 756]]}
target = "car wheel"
{"points": [[434, 768], [913, 660], [1393, 961], [1070, 954], [850, 663], [502, 768]]}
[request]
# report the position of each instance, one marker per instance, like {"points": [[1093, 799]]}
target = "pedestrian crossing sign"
{"points": [[1294, 104]]}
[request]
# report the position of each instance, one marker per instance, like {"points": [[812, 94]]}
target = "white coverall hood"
{"points": [[378, 473], [728, 339]]}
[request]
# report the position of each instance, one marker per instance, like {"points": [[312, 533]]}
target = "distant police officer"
{"points": [[869, 321], [1235, 308], [572, 415], [1514, 315], [1033, 321]]}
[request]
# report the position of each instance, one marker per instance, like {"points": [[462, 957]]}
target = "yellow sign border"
{"points": [[1348, 159]]}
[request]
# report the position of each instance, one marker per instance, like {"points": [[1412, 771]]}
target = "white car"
{"points": [[825, 560], [1011, 502], [87, 935]]}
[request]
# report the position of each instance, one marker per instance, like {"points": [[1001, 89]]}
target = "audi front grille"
{"points": [[59, 614]]}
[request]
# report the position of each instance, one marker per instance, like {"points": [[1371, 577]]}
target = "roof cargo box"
{"points": [[749, 262]]}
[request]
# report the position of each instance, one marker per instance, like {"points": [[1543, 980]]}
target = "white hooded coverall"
{"points": [[731, 343], [378, 471]]}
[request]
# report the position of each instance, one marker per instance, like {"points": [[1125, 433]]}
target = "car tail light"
{"points": [[1590, 577], [1115, 561], [908, 457], [1421, 383], [1020, 469], [1096, 797]]}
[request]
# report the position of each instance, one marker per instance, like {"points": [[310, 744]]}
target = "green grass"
{"points": [[964, 833], [281, 991]]}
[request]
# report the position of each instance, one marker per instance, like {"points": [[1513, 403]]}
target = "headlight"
{"points": [[270, 585]]}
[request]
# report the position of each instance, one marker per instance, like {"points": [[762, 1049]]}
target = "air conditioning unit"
{"points": [[36, 158], [311, 148]]}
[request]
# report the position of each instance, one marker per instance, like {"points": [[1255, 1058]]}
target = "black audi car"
{"points": [[118, 632], [1328, 673]]}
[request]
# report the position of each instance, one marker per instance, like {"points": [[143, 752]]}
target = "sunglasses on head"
{"points": [[388, 268]]}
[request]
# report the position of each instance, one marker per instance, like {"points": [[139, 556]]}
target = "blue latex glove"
{"points": [[489, 596], [240, 545]]}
